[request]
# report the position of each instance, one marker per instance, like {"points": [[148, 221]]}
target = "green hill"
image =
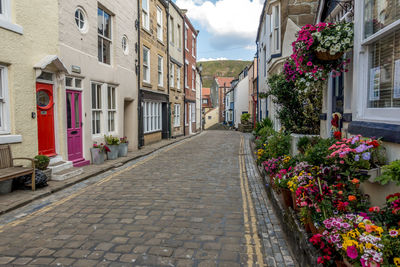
{"points": [[223, 68]]}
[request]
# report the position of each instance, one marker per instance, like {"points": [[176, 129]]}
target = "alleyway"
{"points": [[190, 205]]}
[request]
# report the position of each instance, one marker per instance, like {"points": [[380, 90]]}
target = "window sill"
{"points": [[147, 84], [160, 42], [160, 88], [11, 26], [151, 132], [146, 30], [388, 132], [10, 139]]}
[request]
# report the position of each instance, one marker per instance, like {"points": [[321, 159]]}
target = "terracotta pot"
{"points": [[313, 229], [287, 197], [295, 207], [307, 227], [325, 56], [343, 263]]}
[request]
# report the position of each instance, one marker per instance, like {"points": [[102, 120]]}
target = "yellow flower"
{"points": [[396, 261], [361, 225]]}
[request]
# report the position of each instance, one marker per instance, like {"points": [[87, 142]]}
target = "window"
{"points": [[111, 108], [5, 9], [193, 46], [80, 19], [178, 78], [186, 38], [186, 74], [104, 36], [179, 37], [172, 75], [384, 72], [205, 101], [177, 115], [152, 117], [172, 31], [96, 108], [193, 112], [265, 61], [4, 102], [125, 46], [160, 71], [145, 14], [73, 83], [193, 79], [159, 24], [275, 29], [146, 64], [379, 14]]}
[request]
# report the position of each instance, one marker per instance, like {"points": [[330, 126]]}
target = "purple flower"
{"points": [[366, 156], [357, 157], [361, 148]]}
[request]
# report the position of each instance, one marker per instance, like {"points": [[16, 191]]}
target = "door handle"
{"points": [[74, 132]]}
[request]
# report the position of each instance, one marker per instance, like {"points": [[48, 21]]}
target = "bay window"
{"points": [[104, 108], [177, 115], [152, 116]]}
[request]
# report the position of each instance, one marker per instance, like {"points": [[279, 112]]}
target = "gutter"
{"points": [[139, 108], [168, 77], [184, 77], [258, 78]]}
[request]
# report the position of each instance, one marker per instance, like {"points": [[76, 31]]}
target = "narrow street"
{"points": [[195, 203]]}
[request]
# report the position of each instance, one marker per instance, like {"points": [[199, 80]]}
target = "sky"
{"points": [[228, 28]]}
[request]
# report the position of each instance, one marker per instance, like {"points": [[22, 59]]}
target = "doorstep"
{"points": [[19, 198]]}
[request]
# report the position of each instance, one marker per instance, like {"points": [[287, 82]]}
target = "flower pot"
{"points": [[5, 186], [372, 173], [123, 150], [326, 56], [113, 153], [287, 197], [295, 207], [97, 156]]}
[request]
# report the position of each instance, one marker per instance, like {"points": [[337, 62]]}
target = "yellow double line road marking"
{"points": [[253, 242], [80, 192]]}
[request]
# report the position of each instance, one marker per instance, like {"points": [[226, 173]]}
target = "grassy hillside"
{"points": [[223, 68]]}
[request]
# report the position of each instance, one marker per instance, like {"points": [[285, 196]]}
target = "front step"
{"points": [[60, 166], [66, 174]]}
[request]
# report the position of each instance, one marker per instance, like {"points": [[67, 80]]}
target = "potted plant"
{"points": [[98, 153], [113, 145], [41, 163], [390, 173], [123, 147]]}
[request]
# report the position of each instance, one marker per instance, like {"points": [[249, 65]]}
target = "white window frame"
{"points": [[186, 37], [160, 32], [177, 115], [186, 74], [179, 39], [5, 18], [172, 31], [172, 75], [103, 37], [112, 110], [4, 101], [193, 78], [160, 71], [193, 110], [275, 34], [146, 16], [85, 27], [362, 48], [178, 78], [97, 109], [125, 44], [193, 42], [146, 66], [152, 117]]}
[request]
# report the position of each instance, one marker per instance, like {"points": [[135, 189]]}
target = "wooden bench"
{"points": [[9, 171]]}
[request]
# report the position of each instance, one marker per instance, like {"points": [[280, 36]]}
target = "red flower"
{"points": [[337, 135], [374, 209], [107, 148], [374, 143]]}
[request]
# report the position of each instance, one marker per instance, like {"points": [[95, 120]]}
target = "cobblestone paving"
{"points": [[181, 207]]}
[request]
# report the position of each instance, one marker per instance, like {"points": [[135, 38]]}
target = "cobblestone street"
{"points": [[198, 202]]}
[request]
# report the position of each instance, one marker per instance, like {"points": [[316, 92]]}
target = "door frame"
{"points": [[190, 117], [81, 118]]}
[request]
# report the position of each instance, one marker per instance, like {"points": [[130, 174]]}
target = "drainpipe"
{"points": [[168, 77], [184, 78], [258, 99], [139, 108]]}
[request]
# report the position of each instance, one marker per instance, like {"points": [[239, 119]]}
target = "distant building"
{"points": [[219, 87], [241, 97], [252, 97]]}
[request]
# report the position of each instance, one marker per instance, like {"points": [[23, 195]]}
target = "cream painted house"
{"points": [[176, 70], [199, 86], [99, 96], [27, 48]]}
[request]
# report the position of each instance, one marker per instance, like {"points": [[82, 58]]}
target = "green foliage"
{"points": [[245, 117], [391, 173], [317, 151], [278, 145], [111, 140], [263, 124], [303, 143], [298, 108], [222, 68], [42, 162]]}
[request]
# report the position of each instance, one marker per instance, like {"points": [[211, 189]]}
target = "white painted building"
{"points": [[241, 97]]}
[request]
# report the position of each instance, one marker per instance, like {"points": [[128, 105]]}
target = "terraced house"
{"points": [[153, 81]]}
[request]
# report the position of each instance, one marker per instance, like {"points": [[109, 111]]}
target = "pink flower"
{"points": [[341, 162], [352, 252], [309, 63]]}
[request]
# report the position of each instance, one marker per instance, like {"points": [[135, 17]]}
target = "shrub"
{"points": [[42, 162], [278, 145], [265, 123], [303, 143], [318, 150], [245, 117]]}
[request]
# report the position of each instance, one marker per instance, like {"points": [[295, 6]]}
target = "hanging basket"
{"points": [[326, 56]]}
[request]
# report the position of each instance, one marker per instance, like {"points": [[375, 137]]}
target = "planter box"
{"points": [[372, 174], [295, 140], [113, 153], [97, 156], [123, 150]]}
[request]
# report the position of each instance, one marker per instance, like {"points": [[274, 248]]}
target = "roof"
{"points": [[205, 91], [224, 80]]}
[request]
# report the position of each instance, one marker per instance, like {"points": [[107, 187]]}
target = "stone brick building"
{"points": [[153, 80], [219, 88]]}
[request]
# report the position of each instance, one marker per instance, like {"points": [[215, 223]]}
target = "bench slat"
{"points": [[13, 172]]}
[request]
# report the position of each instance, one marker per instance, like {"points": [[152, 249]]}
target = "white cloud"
{"points": [[212, 59], [230, 19]]}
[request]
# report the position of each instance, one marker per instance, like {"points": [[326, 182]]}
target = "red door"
{"points": [[74, 126], [45, 118]]}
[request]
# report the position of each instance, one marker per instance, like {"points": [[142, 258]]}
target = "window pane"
{"points": [[93, 96], [384, 73], [1, 82], [93, 122], [77, 111], [68, 81], [107, 29], [98, 93], [379, 14], [98, 121], [69, 119], [109, 98], [100, 21], [106, 51], [144, 4], [100, 48], [78, 83]]}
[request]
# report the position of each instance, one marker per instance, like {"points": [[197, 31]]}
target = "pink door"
{"points": [[74, 126]]}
